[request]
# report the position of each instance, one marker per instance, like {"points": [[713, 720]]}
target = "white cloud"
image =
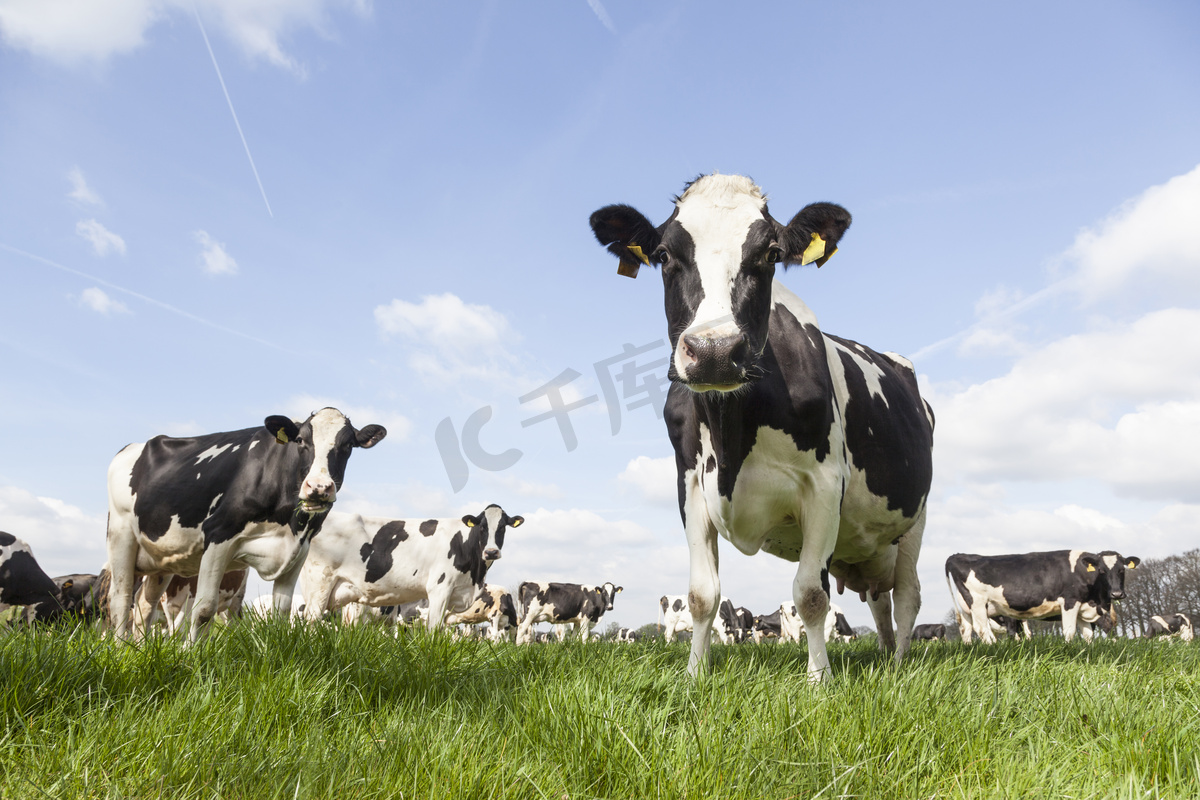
{"points": [[655, 479], [70, 31], [80, 191], [97, 300], [453, 340], [1118, 404], [213, 257], [1152, 237], [103, 240], [64, 538]]}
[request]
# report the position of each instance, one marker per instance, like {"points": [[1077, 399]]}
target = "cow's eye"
{"points": [[660, 255], [774, 254]]}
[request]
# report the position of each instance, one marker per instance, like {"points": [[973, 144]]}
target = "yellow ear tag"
{"points": [[1091, 568], [637, 252], [815, 250], [281, 437], [1131, 565], [516, 523], [470, 523]]}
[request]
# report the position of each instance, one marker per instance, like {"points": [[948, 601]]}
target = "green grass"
{"points": [[274, 710]]}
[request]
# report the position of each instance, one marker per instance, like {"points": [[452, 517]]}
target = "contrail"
{"points": [[231, 111], [144, 298], [602, 15]]}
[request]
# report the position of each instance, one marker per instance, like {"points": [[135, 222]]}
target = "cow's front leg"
{"points": [[213, 565], [818, 517], [1070, 617], [704, 581], [284, 588]]}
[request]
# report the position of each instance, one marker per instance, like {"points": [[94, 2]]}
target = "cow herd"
{"points": [[787, 439]]}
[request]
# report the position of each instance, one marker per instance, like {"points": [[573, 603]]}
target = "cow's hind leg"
{"points": [[146, 603], [810, 590], [907, 592], [208, 590]]}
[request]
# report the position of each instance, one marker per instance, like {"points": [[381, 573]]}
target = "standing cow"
{"points": [[205, 505], [678, 617], [1074, 585], [563, 604], [380, 561], [24, 583], [493, 605], [813, 448], [930, 632]]}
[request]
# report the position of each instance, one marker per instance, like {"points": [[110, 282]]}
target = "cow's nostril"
{"points": [[739, 354]]}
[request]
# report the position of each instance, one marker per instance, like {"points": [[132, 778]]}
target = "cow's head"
{"points": [[489, 526], [718, 253], [1115, 566], [323, 445], [608, 593]]}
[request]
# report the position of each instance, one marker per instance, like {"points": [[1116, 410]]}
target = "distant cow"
{"points": [[493, 605], [627, 635], [791, 626], [767, 626], [1169, 626], [381, 562], [1077, 585], [743, 622], [264, 605], [24, 583], [677, 616], [180, 594], [80, 595], [929, 632], [788, 440], [205, 505], [563, 604]]}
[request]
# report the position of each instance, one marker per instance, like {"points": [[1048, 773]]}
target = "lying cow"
{"points": [[677, 616], [1077, 585], [929, 633], [494, 606], [1170, 626], [380, 562], [563, 604], [205, 505], [24, 583]]}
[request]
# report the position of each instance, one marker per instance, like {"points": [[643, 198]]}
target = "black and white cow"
{"points": [[677, 617], [811, 447], [791, 626], [767, 626], [743, 621], [627, 635], [1074, 585], [24, 583], [931, 632], [563, 604], [1169, 626], [493, 605], [205, 505], [381, 562], [79, 595], [179, 596]]}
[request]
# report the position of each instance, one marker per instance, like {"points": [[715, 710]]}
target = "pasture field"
{"points": [[272, 709]]}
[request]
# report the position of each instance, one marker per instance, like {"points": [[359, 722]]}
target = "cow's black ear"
{"points": [[470, 521], [369, 436], [627, 234], [282, 428], [1132, 562], [1092, 563], [813, 234], [515, 522]]}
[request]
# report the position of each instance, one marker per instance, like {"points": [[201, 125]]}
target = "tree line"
{"points": [[1160, 586]]}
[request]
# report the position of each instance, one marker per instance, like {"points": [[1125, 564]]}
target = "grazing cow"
{"points": [[24, 583], [563, 604], [180, 594], [493, 605], [80, 595], [767, 626], [209, 504], [1075, 585], [791, 626], [1170, 626], [813, 448], [382, 562], [929, 632], [678, 617], [627, 635]]}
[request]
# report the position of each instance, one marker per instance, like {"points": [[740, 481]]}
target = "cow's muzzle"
{"points": [[491, 554], [714, 362]]}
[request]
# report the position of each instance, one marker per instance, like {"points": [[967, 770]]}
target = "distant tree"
{"points": [[610, 631], [649, 632], [1160, 586]]}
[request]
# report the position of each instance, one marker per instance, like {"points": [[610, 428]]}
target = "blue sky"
{"points": [[396, 224]]}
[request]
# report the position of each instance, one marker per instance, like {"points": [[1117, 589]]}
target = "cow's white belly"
{"points": [[266, 547]]}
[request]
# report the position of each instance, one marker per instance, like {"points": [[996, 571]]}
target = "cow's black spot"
{"points": [[428, 527], [377, 554], [441, 577], [6, 539]]}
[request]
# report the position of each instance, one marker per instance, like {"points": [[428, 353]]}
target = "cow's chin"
{"points": [[720, 388]]}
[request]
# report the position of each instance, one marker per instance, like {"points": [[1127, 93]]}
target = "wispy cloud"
{"points": [[98, 300], [602, 15], [158, 303], [103, 240], [80, 191], [213, 256]]}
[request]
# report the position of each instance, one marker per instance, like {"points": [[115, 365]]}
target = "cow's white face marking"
{"points": [[717, 212], [319, 484]]}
